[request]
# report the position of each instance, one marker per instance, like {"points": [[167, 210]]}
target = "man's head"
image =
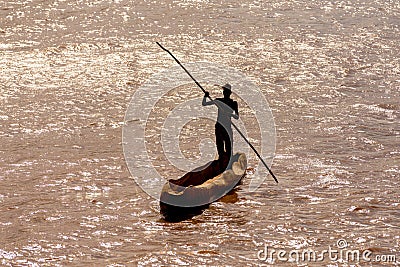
{"points": [[227, 90]]}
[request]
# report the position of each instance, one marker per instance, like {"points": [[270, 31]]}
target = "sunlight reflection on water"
{"points": [[329, 69]]}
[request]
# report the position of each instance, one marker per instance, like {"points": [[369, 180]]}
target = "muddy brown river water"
{"points": [[330, 71]]}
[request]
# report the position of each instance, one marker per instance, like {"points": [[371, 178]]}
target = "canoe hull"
{"points": [[193, 192]]}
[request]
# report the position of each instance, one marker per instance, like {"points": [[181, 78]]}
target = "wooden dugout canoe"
{"points": [[197, 189]]}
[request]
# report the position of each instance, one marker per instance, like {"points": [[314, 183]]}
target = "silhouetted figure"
{"points": [[227, 108]]}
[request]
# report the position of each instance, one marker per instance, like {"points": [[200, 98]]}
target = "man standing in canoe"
{"points": [[227, 108]]}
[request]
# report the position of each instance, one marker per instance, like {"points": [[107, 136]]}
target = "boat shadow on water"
{"points": [[191, 194]]}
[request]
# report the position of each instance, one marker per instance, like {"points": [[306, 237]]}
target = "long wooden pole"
{"points": [[237, 129]]}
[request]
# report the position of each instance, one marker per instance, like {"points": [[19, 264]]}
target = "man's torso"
{"points": [[225, 109]]}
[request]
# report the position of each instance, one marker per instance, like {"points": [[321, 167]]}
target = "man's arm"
{"points": [[205, 103], [235, 115]]}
